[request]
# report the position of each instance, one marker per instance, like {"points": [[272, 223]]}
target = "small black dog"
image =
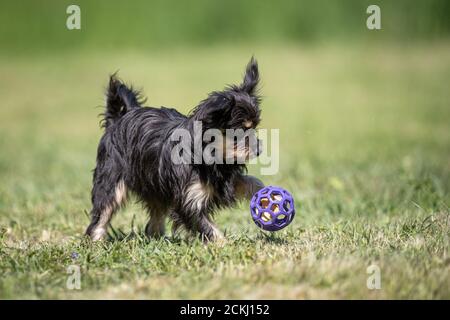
{"points": [[134, 155]]}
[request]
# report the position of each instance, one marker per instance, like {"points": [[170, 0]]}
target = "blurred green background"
{"points": [[115, 25], [364, 145]]}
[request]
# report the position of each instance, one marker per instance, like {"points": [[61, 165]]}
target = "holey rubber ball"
{"points": [[272, 208]]}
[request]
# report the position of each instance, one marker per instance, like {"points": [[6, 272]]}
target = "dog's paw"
{"points": [[220, 242]]}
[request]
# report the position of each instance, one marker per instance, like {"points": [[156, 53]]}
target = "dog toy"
{"points": [[272, 208]]}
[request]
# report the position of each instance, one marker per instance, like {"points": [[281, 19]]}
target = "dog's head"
{"points": [[235, 112]]}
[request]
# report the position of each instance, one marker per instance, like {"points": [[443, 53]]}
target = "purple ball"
{"points": [[272, 208]]}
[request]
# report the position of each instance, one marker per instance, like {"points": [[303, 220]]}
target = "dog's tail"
{"points": [[119, 100]]}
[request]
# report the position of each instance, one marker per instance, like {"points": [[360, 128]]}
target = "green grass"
{"points": [[364, 150]]}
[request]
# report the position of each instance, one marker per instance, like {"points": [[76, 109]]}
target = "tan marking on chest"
{"points": [[198, 195]]}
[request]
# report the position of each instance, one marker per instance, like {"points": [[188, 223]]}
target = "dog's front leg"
{"points": [[246, 186], [198, 224], [209, 232]]}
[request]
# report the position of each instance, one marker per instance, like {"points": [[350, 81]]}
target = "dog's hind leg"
{"points": [[106, 199]]}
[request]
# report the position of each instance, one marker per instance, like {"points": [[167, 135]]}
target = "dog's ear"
{"points": [[251, 78]]}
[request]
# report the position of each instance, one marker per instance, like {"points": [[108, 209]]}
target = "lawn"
{"points": [[364, 149]]}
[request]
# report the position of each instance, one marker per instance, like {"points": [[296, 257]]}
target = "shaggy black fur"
{"points": [[134, 156]]}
